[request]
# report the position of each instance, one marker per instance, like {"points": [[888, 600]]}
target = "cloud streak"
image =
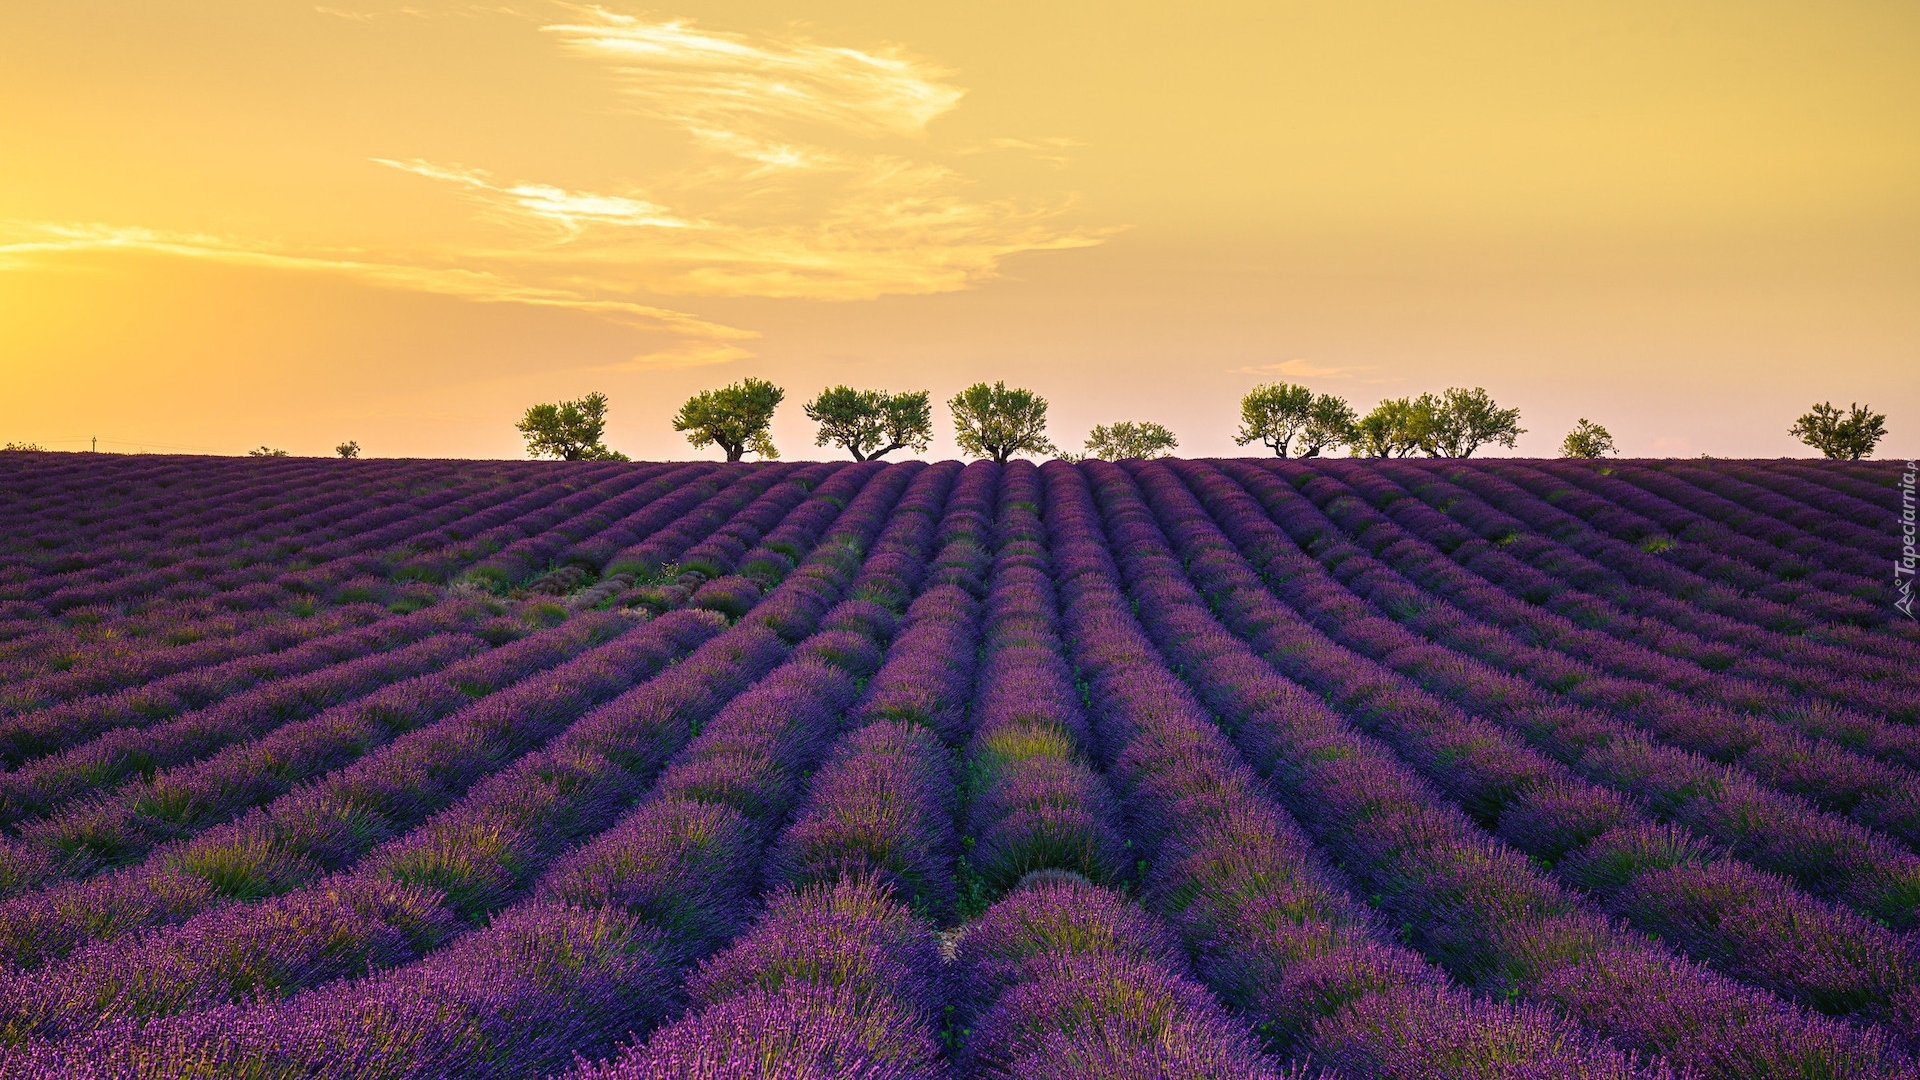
{"points": [[810, 175], [571, 210], [710, 81], [461, 11], [877, 227], [26, 244], [1297, 368], [765, 208], [1049, 149]]}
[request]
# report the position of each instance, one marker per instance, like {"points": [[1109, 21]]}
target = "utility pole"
{"points": [[96, 444]]}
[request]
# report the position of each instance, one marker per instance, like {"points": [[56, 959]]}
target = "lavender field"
{"points": [[1158, 769]]}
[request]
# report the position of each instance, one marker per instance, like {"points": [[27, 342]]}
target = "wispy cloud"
{"points": [[811, 174], [888, 226], [711, 81], [764, 208], [444, 11], [1297, 368], [683, 353], [24, 244], [571, 210], [1049, 149], [1052, 142]]}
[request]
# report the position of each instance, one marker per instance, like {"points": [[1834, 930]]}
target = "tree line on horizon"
{"points": [[999, 422]]}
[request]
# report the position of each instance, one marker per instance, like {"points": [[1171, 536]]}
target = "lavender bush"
{"points": [[1496, 769]]}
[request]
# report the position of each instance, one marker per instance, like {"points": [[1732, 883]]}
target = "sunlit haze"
{"points": [[226, 224]]}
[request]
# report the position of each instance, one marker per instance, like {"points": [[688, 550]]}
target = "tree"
{"points": [[1466, 420], [735, 417], [568, 430], [1329, 424], [1453, 424], [993, 421], [1587, 440], [1847, 437], [1273, 414], [1127, 439], [266, 451], [348, 449], [1395, 428], [23, 446], [872, 423]]}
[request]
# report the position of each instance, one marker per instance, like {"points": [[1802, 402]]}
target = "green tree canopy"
{"points": [[1272, 414], [1465, 420], [1847, 436], [872, 423], [1452, 424], [1587, 440], [735, 417], [266, 451], [1329, 424], [993, 421], [1129, 439], [568, 430], [1395, 428], [348, 449]]}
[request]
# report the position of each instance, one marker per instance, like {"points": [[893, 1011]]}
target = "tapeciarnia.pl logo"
{"points": [[1903, 566]]}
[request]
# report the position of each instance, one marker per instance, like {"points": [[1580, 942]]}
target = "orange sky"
{"points": [[233, 222]]}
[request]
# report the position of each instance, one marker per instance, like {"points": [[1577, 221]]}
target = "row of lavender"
{"points": [[356, 540], [417, 890], [265, 737], [656, 532], [169, 948], [404, 550], [1071, 978], [1410, 800], [418, 723]]}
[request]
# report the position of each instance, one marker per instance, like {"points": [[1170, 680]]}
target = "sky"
{"points": [[233, 223]]}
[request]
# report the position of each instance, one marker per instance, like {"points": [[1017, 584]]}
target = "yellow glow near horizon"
{"points": [[227, 223]]}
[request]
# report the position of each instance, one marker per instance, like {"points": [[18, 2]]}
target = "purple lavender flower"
{"points": [[800, 1032]]}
